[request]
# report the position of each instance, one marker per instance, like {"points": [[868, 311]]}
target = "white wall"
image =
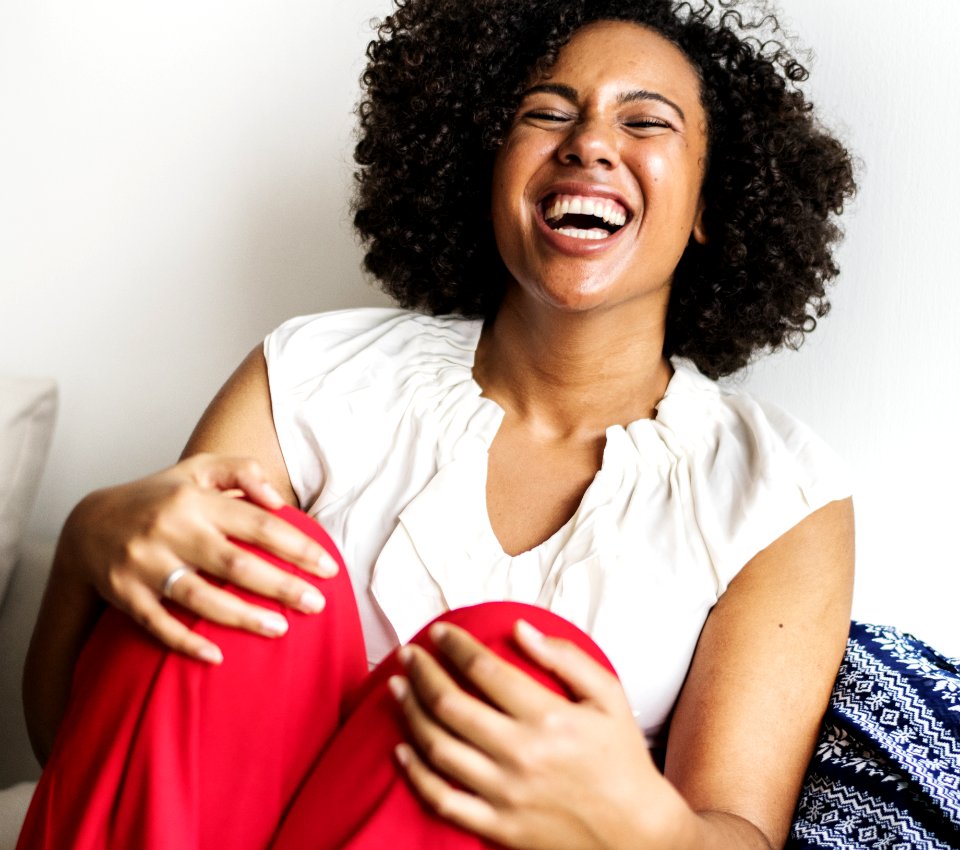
{"points": [[880, 380], [173, 183]]}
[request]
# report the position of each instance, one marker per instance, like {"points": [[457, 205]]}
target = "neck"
{"points": [[574, 374]]}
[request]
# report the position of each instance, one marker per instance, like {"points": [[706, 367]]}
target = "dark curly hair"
{"points": [[443, 82]]}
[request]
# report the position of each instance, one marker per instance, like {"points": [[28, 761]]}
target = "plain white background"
{"points": [[174, 181]]}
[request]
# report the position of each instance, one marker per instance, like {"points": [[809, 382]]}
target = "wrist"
{"points": [[665, 821], [662, 820], [712, 830]]}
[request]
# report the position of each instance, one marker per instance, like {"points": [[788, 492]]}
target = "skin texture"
{"points": [[577, 345], [571, 127], [582, 335], [437, 107]]}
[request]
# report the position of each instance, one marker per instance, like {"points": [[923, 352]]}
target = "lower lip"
{"points": [[572, 245]]}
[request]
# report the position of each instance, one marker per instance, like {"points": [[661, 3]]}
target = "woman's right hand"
{"points": [[126, 541]]}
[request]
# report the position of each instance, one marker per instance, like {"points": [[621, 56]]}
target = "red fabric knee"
{"points": [[160, 751], [356, 797], [492, 624]]}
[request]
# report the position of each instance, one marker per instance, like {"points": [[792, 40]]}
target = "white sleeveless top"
{"points": [[385, 436]]}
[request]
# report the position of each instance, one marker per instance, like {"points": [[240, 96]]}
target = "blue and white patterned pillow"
{"points": [[886, 771]]}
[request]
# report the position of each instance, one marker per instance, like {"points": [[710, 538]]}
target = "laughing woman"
{"points": [[588, 212]]}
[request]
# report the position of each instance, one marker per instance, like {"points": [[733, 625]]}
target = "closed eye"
{"points": [[647, 123], [547, 116]]}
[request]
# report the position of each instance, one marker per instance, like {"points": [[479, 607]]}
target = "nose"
{"points": [[590, 142]]}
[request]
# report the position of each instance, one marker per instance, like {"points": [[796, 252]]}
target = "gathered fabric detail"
{"points": [[386, 436]]}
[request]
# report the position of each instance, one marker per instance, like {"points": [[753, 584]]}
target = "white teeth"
{"points": [[601, 209], [576, 233], [558, 210], [614, 217]]}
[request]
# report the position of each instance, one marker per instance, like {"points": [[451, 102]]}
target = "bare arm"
{"points": [[120, 543], [747, 720]]}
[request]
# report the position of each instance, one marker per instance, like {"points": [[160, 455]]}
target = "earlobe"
{"points": [[699, 232]]}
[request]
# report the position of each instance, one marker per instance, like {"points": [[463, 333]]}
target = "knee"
{"points": [[493, 623]]}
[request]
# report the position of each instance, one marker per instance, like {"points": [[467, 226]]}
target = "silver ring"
{"points": [[172, 579]]}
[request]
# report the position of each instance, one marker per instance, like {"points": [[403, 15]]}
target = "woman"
{"points": [[634, 199]]}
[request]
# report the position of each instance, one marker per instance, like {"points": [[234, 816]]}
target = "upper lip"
{"points": [[587, 190]]}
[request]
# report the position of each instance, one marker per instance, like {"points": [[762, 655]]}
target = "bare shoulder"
{"points": [[239, 421], [748, 716]]}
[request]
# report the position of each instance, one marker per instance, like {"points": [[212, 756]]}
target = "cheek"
{"points": [[657, 165], [503, 186], [673, 178], [503, 208], [514, 170], [522, 154]]}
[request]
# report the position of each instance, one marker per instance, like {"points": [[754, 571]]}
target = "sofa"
{"points": [[27, 413]]}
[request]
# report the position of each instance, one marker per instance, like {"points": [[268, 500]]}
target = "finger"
{"points": [[468, 811], [227, 473], [507, 687], [196, 594], [221, 558], [467, 717], [147, 611], [587, 679], [452, 756], [191, 535], [251, 524]]}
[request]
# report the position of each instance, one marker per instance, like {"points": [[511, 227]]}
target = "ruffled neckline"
{"points": [[461, 554], [441, 391]]}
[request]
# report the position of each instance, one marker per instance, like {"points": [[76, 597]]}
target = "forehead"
{"points": [[612, 53]]}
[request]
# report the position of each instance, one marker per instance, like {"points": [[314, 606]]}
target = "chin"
{"points": [[591, 296], [576, 299]]}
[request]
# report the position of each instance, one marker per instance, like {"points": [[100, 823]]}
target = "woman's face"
{"points": [[596, 188]]}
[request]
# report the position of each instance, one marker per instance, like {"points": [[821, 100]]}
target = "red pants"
{"points": [[287, 745]]}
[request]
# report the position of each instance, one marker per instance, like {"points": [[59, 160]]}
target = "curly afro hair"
{"points": [[443, 82]]}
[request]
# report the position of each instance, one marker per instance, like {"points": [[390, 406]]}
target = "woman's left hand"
{"points": [[531, 769]]}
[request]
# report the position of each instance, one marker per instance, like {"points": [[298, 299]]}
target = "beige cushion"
{"points": [[27, 410]]}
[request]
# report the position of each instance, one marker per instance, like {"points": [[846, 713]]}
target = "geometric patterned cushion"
{"points": [[886, 771]]}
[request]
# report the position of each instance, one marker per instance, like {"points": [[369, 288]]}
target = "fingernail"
{"points": [[405, 655], [398, 687], [210, 654], [328, 566], [437, 631], [272, 624], [311, 602], [402, 752], [272, 495], [529, 633]]}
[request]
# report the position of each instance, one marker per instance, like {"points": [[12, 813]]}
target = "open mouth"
{"points": [[583, 217]]}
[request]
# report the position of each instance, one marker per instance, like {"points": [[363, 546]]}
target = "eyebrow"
{"points": [[570, 93]]}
